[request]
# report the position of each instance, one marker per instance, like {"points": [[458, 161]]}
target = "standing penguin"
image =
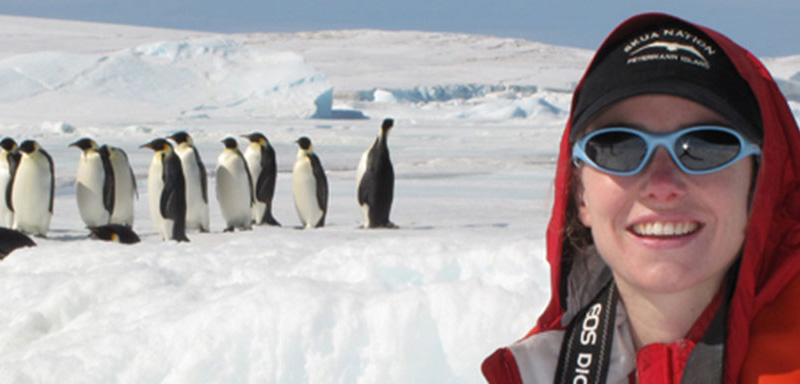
{"points": [[375, 181], [310, 186], [196, 182], [33, 190], [94, 183], [125, 190], [260, 157], [166, 191], [234, 187], [9, 159]]}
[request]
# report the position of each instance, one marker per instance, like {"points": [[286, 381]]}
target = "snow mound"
{"points": [[790, 88], [478, 102], [209, 76]]}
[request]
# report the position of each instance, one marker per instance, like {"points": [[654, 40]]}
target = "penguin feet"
{"points": [[390, 225], [240, 228], [387, 225]]}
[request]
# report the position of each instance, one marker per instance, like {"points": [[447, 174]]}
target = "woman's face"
{"points": [[627, 214]]}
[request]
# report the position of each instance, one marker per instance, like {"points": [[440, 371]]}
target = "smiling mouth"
{"points": [[665, 229]]}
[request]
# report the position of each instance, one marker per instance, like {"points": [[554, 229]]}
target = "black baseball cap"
{"points": [[667, 56]]}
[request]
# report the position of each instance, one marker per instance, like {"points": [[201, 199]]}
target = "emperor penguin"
{"points": [[9, 159], [94, 183], [166, 189], [375, 181], [310, 186], [196, 182], [234, 187], [260, 157], [125, 190], [33, 190], [117, 233], [11, 240]]}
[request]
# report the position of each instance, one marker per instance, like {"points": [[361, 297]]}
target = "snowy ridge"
{"points": [[209, 77]]}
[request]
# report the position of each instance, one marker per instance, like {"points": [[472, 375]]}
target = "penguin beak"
{"points": [[147, 145]]}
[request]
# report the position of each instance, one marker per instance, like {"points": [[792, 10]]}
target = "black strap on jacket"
{"points": [[586, 349]]}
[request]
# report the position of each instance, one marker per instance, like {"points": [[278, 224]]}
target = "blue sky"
{"points": [[766, 27]]}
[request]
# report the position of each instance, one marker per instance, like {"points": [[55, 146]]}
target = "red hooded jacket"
{"points": [[763, 327]]}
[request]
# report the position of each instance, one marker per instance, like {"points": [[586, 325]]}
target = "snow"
{"points": [[477, 122]]}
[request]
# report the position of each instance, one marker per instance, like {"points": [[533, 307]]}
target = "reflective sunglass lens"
{"points": [[704, 150], [616, 151]]}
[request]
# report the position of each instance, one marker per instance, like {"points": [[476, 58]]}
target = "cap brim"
{"points": [[674, 87]]}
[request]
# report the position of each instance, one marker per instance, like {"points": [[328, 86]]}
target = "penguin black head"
{"points": [[28, 146], [230, 143], [8, 144], [84, 144], [304, 143], [116, 233], [181, 137], [11, 239], [157, 145], [256, 137], [387, 124]]}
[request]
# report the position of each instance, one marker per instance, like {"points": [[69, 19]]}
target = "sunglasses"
{"points": [[696, 150]]}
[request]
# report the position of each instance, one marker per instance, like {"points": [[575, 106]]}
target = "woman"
{"points": [[674, 243]]}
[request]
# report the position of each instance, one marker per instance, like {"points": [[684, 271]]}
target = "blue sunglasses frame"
{"points": [[666, 140]]}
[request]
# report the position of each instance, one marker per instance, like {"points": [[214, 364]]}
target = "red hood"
{"points": [[771, 254]]}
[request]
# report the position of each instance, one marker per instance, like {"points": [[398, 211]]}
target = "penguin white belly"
{"points": [[360, 171], [31, 196], [233, 190], [89, 190], [6, 213], [155, 186], [196, 207], [253, 158], [304, 186], [124, 190]]}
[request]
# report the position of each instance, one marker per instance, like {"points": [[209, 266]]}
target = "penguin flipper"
{"points": [[133, 183], [265, 186], [52, 179], [173, 200], [13, 164], [203, 178], [249, 177], [322, 187], [173, 186], [109, 182], [365, 186]]}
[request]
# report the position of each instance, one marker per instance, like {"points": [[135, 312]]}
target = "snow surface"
{"points": [[478, 119]]}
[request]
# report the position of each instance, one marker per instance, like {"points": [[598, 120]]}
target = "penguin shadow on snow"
{"points": [[487, 225]]}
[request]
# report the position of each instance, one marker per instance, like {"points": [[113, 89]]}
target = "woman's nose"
{"points": [[663, 180]]}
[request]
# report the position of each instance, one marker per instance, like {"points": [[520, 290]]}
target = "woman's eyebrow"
{"points": [[714, 122]]}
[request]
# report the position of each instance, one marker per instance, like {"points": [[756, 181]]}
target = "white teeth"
{"points": [[665, 228]]}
